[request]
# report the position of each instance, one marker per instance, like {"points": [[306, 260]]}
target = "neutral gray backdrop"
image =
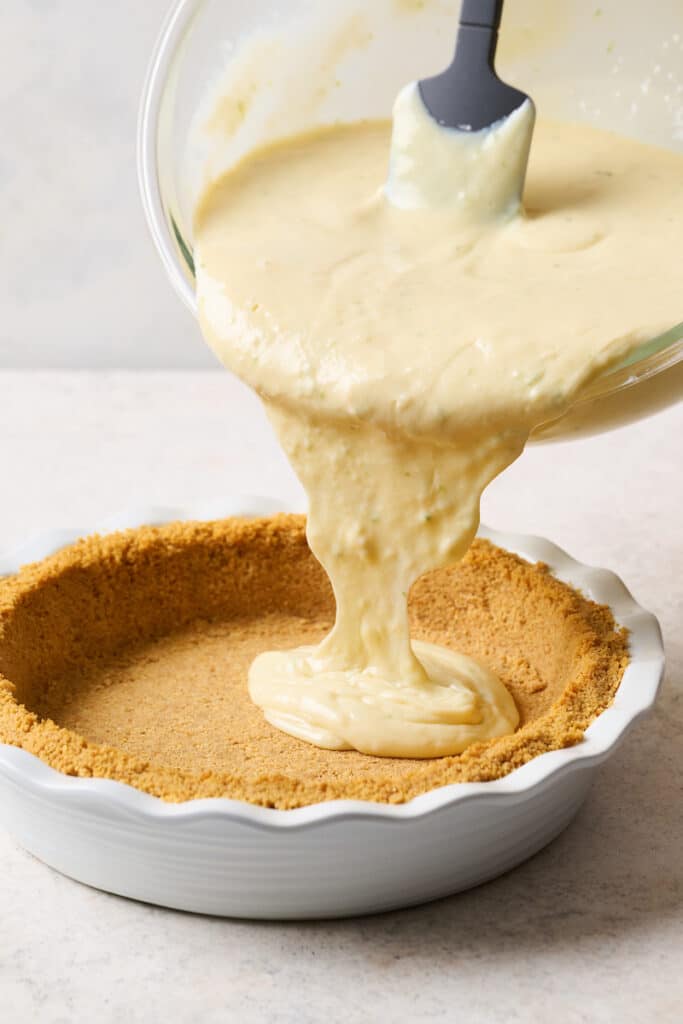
{"points": [[81, 285]]}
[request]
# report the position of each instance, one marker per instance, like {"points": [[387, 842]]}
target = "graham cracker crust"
{"points": [[125, 657]]}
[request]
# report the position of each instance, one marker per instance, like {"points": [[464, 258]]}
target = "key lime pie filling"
{"points": [[406, 338]]}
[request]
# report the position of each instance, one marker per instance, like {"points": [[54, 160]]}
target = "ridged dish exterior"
{"points": [[333, 859]]}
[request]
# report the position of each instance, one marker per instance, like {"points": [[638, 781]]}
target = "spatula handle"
{"points": [[482, 13], [477, 38]]}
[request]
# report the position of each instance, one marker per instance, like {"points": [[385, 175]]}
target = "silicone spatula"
{"points": [[469, 96]]}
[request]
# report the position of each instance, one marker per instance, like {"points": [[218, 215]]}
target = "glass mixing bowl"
{"points": [[278, 68]]}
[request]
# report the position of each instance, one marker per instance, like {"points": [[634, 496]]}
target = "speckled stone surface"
{"points": [[588, 932]]}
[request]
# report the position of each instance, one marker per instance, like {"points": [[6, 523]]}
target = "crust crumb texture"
{"points": [[125, 657]]}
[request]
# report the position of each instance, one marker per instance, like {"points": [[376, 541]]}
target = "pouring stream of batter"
{"points": [[404, 351]]}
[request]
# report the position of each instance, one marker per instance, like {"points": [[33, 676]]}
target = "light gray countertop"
{"points": [[81, 283], [590, 930]]}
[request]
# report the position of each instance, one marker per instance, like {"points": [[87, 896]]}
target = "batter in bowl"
{"points": [[404, 356]]}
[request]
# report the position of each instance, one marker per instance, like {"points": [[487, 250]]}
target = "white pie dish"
{"points": [[338, 858]]}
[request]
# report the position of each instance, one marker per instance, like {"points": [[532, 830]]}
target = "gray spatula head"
{"points": [[469, 95]]}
